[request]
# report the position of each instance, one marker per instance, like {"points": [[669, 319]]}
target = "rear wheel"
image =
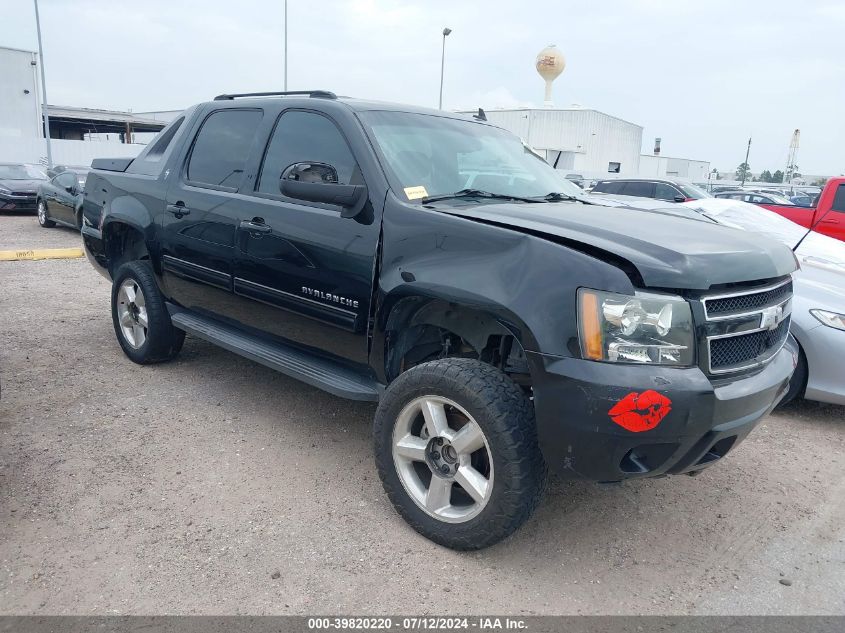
{"points": [[43, 220], [456, 449], [140, 317]]}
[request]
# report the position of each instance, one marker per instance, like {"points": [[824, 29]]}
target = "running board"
{"points": [[314, 370]]}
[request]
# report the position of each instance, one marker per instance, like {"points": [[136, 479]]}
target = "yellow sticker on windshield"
{"points": [[415, 193]]}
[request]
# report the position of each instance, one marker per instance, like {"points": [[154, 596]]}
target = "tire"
{"points": [[470, 397], [798, 382], [141, 321], [43, 220], [79, 220]]}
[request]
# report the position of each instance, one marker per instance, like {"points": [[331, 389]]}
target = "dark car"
{"points": [[60, 199], [669, 190], [55, 170], [502, 327], [19, 184], [755, 197]]}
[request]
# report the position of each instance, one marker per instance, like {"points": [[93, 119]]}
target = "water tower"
{"points": [[550, 63]]}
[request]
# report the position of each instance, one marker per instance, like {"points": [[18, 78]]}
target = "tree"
{"points": [[777, 176], [743, 172], [766, 176], [820, 182]]}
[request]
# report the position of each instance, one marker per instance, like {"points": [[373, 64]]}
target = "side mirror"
{"points": [[71, 189], [680, 198], [317, 182]]}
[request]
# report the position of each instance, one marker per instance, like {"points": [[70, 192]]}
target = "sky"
{"points": [[703, 76]]}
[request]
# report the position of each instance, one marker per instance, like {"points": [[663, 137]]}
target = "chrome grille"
{"points": [[745, 329], [735, 304], [738, 350]]}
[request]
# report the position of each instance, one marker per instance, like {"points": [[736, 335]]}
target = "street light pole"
{"points": [[446, 32], [43, 89], [745, 164], [286, 45]]}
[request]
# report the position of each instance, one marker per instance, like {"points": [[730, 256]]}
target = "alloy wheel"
{"points": [[132, 313], [443, 459]]}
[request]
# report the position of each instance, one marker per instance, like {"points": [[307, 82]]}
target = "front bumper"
{"points": [[18, 203], [705, 420]]}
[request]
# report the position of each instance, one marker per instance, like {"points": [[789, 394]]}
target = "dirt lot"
{"points": [[183, 488]]}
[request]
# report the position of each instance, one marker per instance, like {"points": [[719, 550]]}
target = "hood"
{"points": [[667, 251], [28, 186]]}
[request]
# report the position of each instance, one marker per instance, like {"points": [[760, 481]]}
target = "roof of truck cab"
{"points": [[357, 105]]}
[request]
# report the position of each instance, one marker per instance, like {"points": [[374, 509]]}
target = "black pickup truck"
{"points": [[432, 263]]}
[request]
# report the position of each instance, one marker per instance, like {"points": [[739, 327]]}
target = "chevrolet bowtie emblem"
{"points": [[771, 317]]}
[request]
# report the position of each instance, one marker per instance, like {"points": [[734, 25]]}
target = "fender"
{"points": [[523, 284]]}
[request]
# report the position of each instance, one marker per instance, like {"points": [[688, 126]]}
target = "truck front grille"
{"points": [[739, 350], [736, 304], [746, 329]]}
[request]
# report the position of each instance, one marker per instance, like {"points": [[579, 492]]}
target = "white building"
{"points": [[656, 166], [576, 140], [593, 144], [20, 98], [78, 135]]}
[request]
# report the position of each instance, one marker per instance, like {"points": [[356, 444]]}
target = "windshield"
{"points": [[696, 193], [428, 155], [21, 172], [780, 199]]}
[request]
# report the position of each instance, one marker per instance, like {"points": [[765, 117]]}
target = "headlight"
{"points": [[830, 319], [644, 328]]}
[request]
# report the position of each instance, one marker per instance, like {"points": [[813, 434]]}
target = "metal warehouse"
{"points": [[577, 140]]}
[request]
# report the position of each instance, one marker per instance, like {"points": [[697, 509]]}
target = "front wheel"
{"points": [[141, 321], [456, 449], [43, 220]]}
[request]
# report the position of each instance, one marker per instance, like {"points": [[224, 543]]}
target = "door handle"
{"points": [[255, 227], [830, 221], [178, 209]]}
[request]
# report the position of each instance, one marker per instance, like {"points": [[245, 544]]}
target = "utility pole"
{"points": [[745, 164], [446, 32], [43, 89], [286, 45]]}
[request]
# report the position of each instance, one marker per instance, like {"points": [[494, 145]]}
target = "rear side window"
{"points": [[609, 186], [639, 189], [222, 147], [306, 137], [839, 199]]}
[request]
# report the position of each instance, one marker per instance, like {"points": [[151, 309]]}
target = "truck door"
{"points": [[305, 273], [199, 224], [833, 223]]}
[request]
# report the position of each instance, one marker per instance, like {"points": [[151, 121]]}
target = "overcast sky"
{"points": [[701, 75]]}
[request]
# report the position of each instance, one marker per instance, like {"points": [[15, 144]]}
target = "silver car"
{"points": [[818, 307]]}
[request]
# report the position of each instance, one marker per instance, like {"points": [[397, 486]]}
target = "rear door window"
{"points": [[639, 189], [222, 147]]}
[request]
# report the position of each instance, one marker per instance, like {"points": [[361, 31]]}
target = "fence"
{"points": [[65, 152]]}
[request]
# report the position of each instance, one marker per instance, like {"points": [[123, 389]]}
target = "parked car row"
{"points": [[55, 196]]}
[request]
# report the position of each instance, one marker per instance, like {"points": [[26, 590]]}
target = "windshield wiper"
{"points": [[556, 196], [476, 193]]}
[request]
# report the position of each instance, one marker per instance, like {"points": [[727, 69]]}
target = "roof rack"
{"points": [[317, 94]]}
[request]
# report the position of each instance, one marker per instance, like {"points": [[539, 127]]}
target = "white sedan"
{"points": [[818, 307]]}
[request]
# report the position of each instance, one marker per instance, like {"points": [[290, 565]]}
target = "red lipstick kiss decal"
{"points": [[638, 412]]}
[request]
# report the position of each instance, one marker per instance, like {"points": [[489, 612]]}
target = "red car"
{"points": [[830, 208]]}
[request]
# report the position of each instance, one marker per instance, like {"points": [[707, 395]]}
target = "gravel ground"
{"points": [[212, 485]]}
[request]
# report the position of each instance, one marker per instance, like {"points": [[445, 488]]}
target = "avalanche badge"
{"points": [[638, 412]]}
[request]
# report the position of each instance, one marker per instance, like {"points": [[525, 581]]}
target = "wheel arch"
{"points": [[412, 324]]}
